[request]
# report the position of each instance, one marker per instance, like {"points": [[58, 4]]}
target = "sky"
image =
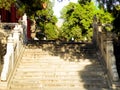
{"points": [[59, 5]]}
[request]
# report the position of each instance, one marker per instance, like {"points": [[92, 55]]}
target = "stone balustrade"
{"points": [[14, 48], [104, 42]]}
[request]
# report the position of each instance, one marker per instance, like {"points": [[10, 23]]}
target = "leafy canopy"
{"points": [[78, 19], [46, 21], [113, 7], [6, 4]]}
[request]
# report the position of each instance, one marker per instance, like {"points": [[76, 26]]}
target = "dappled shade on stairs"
{"points": [[50, 67]]}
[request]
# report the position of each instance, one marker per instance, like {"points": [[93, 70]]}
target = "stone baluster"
{"points": [[16, 33], [9, 57], [25, 19], [16, 36], [5, 68], [10, 47]]}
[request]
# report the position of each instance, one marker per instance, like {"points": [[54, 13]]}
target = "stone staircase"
{"points": [[59, 67]]}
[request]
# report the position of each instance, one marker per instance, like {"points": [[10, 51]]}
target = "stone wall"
{"points": [[104, 42]]}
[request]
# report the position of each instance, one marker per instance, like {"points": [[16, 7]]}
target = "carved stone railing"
{"points": [[104, 42], [7, 27], [14, 49]]}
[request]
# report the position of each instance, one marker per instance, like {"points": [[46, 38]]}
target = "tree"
{"points": [[46, 21], [84, 1], [51, 31], [116, 14], [41, 12], [6, 4], [113, 7], [78, 20], [31, 6], [108, 4]]}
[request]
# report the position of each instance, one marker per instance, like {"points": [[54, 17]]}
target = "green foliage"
{"points": [[113, 7], [117, 7], [84, 1], [31, 6], [74, 32], [47, 22], [51, 31], [78, 18], [104, 16], [78, 21], [41, 11], [6, 3]]}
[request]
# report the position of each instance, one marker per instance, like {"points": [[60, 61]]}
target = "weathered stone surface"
{"points": [[40, 68], [3, 40]]}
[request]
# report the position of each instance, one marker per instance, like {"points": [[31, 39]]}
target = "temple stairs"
{"points": [[59, 67]]}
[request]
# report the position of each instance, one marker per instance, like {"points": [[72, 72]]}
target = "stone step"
{"points": [[35, 55], [35, 52], [58, 84], [58, 88], [57, 69], [59, 61], [42, 59], [68, 83], [42, 70], [27, 76], [63, 78], [57, 66], [58, 81], [62, 51], [47, 57], [54, 77], [60, 71], [31, 50], [65, 51], [57, 73], [49, 84]]}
